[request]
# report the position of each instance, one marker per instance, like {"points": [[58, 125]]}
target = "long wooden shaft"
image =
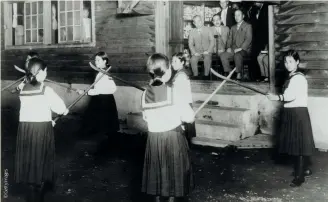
{"points": [[239, 84], [59, 84], [82, 95], [115, 77], [15, 82], [216, 90]]}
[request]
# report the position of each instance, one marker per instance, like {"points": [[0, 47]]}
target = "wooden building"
{"points": [[67, 34]]}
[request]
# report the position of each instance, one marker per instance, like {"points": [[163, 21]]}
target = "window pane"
{"points": [[34, 22], [63, 34], [77, 18], [62, 5], [28, 22], [62, 19], [70, 33], [27, 8], [69, 5], [77, 5], [34, 5], [40, 21], [40, 6], [28, 36], [77, 33], [70, 18], [40, 32], [34, 35]]}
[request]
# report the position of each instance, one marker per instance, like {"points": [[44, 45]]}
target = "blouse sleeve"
{"points": [[57, 105], [295, 88], [105, 85], [183, 88], [181, 91]]}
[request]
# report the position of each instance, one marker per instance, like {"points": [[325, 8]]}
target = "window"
{"points": [[33, 19], [49, 23]]}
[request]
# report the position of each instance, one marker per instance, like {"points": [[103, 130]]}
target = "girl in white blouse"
{"points": [[101, 116], [180, 80], [35, 147], [295, 137], [167, 165]]}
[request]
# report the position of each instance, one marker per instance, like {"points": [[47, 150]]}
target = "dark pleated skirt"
{"points": [[35, 153], [296, 137], [101, 116], [167, 165]]}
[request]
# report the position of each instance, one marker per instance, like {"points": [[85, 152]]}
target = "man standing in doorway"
{"points": [[201, 44], [239, 44], [226, 14]]}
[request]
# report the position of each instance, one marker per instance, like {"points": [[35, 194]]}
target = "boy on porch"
{"points": [[201, 43]]}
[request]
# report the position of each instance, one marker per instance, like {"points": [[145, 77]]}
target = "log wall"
{"points": [[126, 39], [303, 26]]}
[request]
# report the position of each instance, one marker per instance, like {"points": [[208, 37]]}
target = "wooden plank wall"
{"points": [[303, 26], [127, 40]]}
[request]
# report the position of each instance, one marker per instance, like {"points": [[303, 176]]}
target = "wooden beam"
{"points": [[272, 61], [7, 11], [162, 27]]}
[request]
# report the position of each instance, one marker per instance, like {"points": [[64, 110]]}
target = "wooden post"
{"points": [[272, 59], [176, 27], [7, 13], [162, 27]]}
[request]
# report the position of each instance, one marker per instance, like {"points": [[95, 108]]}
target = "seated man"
{"points": [[239, 44], [221, 34], [263, 60], [201, 43]]}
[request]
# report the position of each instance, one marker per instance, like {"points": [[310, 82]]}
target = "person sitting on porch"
{"points": [[221, 34], [263, 61], [201, 43], [239, 44]]}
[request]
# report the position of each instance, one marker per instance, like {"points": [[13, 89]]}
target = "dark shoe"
{"points": [[297, 182]]}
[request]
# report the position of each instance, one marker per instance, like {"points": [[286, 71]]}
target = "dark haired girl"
{"points": [[101, 115], [167, 166], [295, 138], [35, 147], [180, 80]]}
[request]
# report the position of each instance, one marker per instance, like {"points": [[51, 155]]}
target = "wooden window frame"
{"points": [[31, 22], [46, 29]]}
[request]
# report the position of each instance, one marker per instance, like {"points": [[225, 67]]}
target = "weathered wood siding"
{"points": [[303, 26], [126, 39]]}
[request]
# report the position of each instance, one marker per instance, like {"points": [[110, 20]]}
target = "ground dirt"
{"points": [[94, 170]]}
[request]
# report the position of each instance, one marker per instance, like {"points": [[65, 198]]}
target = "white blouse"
{"points": [[105, 85], [296, 93], [37, 105], [166, 118], [183, 86]]}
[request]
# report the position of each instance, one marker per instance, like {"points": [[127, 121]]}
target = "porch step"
{"points": [[216, 130], [204, 141], [229, 100], [220, 114], [255, 142]]}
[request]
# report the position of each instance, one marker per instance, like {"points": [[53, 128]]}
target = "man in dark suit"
{"points": [[258, 16], [226, 14], [239, 44]]}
